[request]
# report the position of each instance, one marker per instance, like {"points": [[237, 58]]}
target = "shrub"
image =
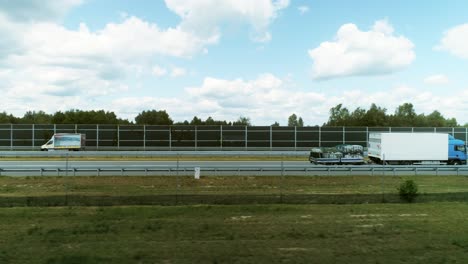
{"points": [[408, 191]]}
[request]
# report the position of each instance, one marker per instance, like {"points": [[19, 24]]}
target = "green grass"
{"points": [[172, 190], [364, 233], [313, 219], [224, 184]]}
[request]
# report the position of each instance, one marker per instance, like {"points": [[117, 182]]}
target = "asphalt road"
{"points": [[119, 163]]}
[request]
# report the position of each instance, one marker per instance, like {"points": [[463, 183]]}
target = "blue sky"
{"points": [[262, 59]]}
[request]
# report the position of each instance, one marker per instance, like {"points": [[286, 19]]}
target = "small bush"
{"points": [[408, 191]]}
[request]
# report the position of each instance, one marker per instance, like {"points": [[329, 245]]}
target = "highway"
{"points": [[140, 167], [146, 163], [210, 168]]}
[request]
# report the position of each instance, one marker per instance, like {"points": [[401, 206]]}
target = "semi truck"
{"points": [[416, 148], [339, 155], [65, 141]]}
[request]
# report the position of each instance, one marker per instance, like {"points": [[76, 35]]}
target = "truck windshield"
{"points": [[460, 148]]}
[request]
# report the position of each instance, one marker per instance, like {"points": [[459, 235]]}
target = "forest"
{"points": [[403, 116]]}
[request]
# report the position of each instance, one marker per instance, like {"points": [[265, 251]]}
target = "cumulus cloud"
{"points": [[303, 9], [437, 79], [205, 17], [268, 98], [178, 72], [42, 59], [454, 41], [36, 10], [174, 72], [159, 71], [55, 62], [115, 40], [356, 52], [265, 99]]}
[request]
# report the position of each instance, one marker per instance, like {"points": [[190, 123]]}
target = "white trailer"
{"points": [[65, 141], [408, 148]]}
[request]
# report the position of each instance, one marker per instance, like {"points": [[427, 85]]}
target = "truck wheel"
{"points": [[456, 162]]}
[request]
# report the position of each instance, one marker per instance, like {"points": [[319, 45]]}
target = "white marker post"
{"points": [[197, 173], [383, 176]]}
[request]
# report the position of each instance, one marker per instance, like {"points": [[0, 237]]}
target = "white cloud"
{"points": [[356, 52], [265, 100], [178, 72], [159, 71], [455, 41], [41, 59], [54, 62], [268, 98], [174, 72], [438, 79], [205, 17], [37, 10], [303, 9], [113, 41]]}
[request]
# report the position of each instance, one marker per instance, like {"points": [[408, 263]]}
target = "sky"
{"points": [[225, 59]]}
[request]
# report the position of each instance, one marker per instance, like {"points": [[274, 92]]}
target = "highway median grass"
{"points": [[179, 190]]}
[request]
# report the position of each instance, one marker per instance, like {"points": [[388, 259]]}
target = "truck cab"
{"points": [[457, 151]]}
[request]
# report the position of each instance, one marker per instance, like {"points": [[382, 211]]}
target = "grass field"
{"points": [[345, 219], [172, 190], [365, 233]]}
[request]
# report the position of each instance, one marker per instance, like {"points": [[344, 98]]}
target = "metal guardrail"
{"points": [[230, 170], [60, 153]]}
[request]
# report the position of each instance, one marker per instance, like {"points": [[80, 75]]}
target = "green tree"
{"points": [[242, 121], [212, 122], [196, 121], [451, 122], [358, 117], [294, 121], [339, 116], [300, 122], [8, 118], [75, 116], [33, 117], [405, 115], [435, 119], [276, 124], [153, 117], [376, 116]]}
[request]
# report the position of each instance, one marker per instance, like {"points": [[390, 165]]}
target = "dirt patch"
{"points": [[241, 218], [294, 249], [370, 226], [369, 215]]}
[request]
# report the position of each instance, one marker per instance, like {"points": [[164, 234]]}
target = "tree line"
{"points": [[75, 116], [404, 116]]}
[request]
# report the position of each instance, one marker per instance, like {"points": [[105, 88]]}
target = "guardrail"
{"points": [[60, 153], [229, 170]]}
